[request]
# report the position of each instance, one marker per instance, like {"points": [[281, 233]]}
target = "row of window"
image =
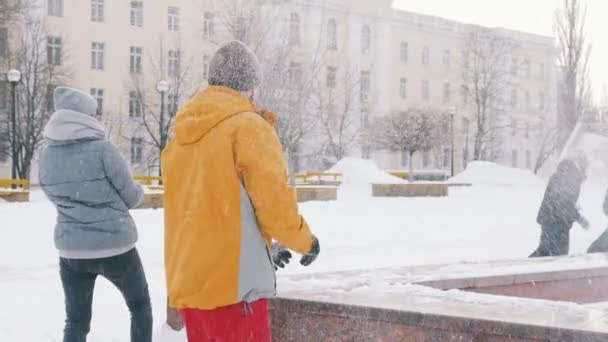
{"points": [[136, 14], [98, 53]]}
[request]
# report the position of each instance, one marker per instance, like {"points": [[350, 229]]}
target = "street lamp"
{"points": [[452, 114], [162, 87], [13, 76]]}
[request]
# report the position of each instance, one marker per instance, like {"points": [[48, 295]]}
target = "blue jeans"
{"points": [[126, 272]]}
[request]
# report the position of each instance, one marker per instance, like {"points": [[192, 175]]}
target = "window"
{"points": [[294, 29], [447, 157], [173, 18], [447, 58], [541, 101], [294, 73], [54, 50], [135, 59], [465, 126], [331, 77], [527, 130], [514, 67], [365, 86], [173, 68], [137, 13], [514, 98], [527, 99], [425, 55], [97, 94], [3, 94], [514, 158], [3, 42], [97, 10], [527, 68], [405, 158], [366, 39], [425, 90], [56, 8], [332, 35], [172, 104], [97, 55], [208, 24], [513, 127], [50, 97], [403, 88], [205, 67], [541, 71], [135, 106], [404, 52], [464, 93], [447, 92], [137, 146]]}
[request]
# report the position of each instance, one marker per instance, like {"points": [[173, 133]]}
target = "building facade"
{"points": [[392, 59]]}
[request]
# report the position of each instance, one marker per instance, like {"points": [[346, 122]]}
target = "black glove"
{"points": [[280, 256], [311, 256]]}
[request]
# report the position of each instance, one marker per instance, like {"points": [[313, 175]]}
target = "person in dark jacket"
{"points": [[91, 186], [600, 245], [558, 211]]}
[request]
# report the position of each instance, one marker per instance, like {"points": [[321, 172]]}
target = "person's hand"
{"points": [[584, 223], [280, 256], [311, 256]]}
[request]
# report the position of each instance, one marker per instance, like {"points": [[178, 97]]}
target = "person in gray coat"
{"points": [[91, 186]]}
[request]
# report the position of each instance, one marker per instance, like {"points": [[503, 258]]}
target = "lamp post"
{"points": [[452, 114], [13, 76], [162, 87]]}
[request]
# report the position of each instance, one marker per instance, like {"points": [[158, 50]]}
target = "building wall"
{"points": [[389, 27]]}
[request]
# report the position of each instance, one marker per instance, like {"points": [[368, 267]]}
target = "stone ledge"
{"points": [[303, 320], [152, 201], [410, 190], [316, 193], [16, 197]]}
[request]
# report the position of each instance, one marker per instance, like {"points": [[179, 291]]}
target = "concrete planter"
{"points": [[15, 196], [316, 193], [152, 201], [410, 190]]}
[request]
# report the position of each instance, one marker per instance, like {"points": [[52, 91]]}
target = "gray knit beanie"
{"points": [[75, 100], [235, 66]]}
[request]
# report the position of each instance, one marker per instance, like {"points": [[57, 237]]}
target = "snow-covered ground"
{"points": [[493, 220]]}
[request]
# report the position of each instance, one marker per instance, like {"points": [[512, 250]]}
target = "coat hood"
{"points": [[208, 109], [68, 125]]}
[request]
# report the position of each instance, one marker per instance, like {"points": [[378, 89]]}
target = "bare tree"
{"points": [[441, 138], [574, 52], [156, 112], [334, 98], [485, 77], [548, 142], [41, 71], [411, 131]]}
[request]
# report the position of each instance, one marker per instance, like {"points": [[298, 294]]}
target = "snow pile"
{"points": [[362, 172], [487, 173]]}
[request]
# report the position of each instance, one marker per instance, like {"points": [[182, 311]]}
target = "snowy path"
{"points": [[356, 232]]}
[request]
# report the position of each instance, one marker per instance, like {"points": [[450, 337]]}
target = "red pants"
{"points": [[236, 323]]}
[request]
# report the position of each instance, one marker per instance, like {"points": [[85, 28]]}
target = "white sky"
{"points": [[535, 16]]}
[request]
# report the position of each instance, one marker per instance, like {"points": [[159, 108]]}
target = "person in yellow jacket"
{"points": [[226, 199]]}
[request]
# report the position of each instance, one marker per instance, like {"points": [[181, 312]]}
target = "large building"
{"points": [[395, 60]]}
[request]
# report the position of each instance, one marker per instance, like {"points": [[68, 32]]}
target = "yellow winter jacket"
{"points": [[226, 198]]}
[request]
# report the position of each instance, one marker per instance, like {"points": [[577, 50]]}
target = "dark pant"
{"points": [[126, 272], [554, 241]]}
